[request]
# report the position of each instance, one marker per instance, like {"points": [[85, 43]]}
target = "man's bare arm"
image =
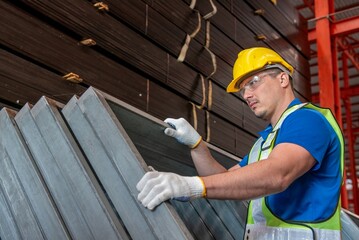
{"points": [[204, 162], [286, 163]]}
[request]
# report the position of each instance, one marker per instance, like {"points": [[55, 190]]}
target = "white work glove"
{"points": [[183, 132], [157, 187]]}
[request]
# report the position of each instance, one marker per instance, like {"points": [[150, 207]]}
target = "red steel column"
{"points": [[325, 65], [350, 137], [336, 84], [327, 68], [338, 114]]}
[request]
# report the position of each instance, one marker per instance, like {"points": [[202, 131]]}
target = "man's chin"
{"points": [[259, 114]]}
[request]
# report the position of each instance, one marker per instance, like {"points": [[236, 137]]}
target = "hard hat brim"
{"points": [[233, 86]]}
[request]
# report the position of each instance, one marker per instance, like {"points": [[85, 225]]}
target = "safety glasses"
{"points": [[256, 81]]}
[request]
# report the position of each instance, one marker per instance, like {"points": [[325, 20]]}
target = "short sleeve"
{"points": [[244, 161], [308, 129]]}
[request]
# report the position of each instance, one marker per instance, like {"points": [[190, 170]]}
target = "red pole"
{"points": [[337, 95], [325, 65], [328, 69], [338, 115], [350, 137]]}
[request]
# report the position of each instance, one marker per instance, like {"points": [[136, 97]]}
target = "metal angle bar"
{"points": [[122, 198], [18, 206], [91, 199], [46, 162], [240, 209], [194, 222], [22, 165], [62, 165], [227, 214], [211, 219], [349, 229], [8, 227], [128, 162]]}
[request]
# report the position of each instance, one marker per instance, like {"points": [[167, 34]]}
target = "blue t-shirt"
{"points": [[313, 196]]}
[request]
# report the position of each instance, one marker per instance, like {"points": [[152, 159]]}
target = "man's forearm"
{"points": [[245, 183], [204, 162]]}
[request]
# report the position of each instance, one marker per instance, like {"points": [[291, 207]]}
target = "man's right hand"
{"points": [[183, 131]]}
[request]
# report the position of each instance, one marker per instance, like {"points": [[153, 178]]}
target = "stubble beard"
{"points": [[261, 115]]}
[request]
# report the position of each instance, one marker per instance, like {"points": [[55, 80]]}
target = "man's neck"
{"points": [[281, 109]]}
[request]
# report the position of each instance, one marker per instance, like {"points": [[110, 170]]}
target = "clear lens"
{"points": [[254, 82]]}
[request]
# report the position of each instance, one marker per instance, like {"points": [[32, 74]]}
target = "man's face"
{"points": [[262, 93]]}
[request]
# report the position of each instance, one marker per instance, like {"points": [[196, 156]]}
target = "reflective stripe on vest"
{"points": [[261, 223], [259, 232]]}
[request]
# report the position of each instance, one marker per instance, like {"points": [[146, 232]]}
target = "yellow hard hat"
{"points": [[253, 60]]}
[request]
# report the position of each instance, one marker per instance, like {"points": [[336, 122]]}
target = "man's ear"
{"points": [[284, 79]]}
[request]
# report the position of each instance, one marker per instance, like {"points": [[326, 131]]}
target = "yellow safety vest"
{"points": [[262, 223]]}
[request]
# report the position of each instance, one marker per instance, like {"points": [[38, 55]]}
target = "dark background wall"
{"points": [[134, 51]]}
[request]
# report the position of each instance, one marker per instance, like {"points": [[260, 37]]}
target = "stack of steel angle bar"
{"points": [[70, 171]]}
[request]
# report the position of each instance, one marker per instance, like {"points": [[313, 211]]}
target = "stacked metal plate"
{"points": [[69, 172]]}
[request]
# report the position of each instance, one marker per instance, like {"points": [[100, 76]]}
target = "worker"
{"points": [[293, 173]]}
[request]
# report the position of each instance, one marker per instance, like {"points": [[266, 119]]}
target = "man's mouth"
{"points": [[252, 104]]}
